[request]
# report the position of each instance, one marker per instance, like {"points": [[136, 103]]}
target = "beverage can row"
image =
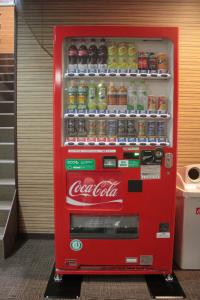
{"points": [[115, 128], [155, 62]]}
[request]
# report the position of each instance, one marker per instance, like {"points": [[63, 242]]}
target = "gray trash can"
{"points": [[187, 227]]}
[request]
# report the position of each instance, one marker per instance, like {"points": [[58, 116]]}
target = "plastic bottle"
{"points": [[132, 58], [122, 95], [72, 95], [82, 95], [91, 99], [122, 52], [102, 56], [132, 96], [82, 57], [142, 97], [112, 94], [72, 53], [102, 99], [92, 57], [112, 57]]}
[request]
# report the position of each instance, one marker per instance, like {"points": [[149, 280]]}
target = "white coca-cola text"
{"points": [[104, 188]]}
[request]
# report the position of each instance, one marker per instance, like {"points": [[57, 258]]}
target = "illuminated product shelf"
{"points": [[136, 114], [118, 142], [137, 74]]}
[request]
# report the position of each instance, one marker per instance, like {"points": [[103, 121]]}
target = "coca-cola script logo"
{"points": [[100, 191], [198, 211]]}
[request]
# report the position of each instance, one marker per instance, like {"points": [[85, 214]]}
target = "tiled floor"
{"points": [[24, 276]]}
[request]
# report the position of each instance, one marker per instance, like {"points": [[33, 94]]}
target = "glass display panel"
{"points": [[103, 227], [117, 90]]}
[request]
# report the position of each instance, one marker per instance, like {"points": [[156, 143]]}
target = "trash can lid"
{"points": [[189, 190]]}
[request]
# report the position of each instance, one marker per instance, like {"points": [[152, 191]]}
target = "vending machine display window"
{"points": [[104, 227], [108, 78]]}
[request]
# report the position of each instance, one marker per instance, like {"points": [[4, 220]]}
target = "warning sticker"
{"points": [[163, 235], [150, 172]]}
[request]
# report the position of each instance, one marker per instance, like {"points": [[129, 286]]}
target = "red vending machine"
{"points": [[115, 134]]}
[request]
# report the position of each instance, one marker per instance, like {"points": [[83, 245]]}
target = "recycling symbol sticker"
{"points": [[76, 245]]}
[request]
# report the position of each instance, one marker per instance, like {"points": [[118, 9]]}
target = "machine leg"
{"points": [[169, 278], [58, 278]]}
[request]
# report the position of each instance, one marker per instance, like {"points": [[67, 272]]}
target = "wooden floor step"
{"points": [[6, 144], [7, 106], [7, 61], [7, 153], [6, 55], [6, 76], [3, 217], [7, 69], [7, 169], [7, 161], [6, 85], [7, 182], [7, 120], [7, 96], [1, 232], [7, 193], [5, 205], [7, 136]]}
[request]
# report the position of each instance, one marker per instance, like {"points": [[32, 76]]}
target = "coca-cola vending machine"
{"points": [[115, 132]]}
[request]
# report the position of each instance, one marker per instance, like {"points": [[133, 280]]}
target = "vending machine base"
{"points": [[69, 286], [161, 287]]}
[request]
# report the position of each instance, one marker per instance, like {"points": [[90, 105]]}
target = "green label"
{"points": [[134, 163], [76, 245], [80, 164], [129, 163], [123, 163]]}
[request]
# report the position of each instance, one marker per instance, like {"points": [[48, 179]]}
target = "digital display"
{"points": [[131, 155]]}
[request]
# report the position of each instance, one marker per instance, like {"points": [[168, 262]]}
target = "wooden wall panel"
{"points": [[6, 29], [35, 22]]}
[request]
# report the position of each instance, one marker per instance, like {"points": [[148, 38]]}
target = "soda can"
{"points": [[131, 128], [162, 63], [143, 62], [161, 128], [141, 128], [101, 127], [162, 103], [71, 127], [81, 127], [111, 128], [151, 128], [152, 103], [91, 127], [122, 128], [152, 62]]}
